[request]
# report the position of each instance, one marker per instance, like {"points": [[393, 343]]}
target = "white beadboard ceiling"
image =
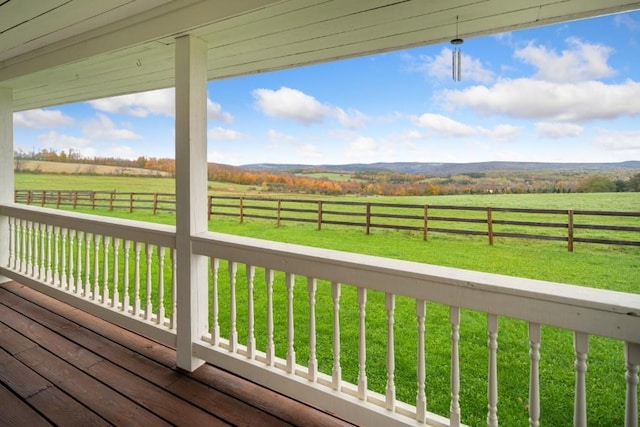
{"points": [[59, 51]]}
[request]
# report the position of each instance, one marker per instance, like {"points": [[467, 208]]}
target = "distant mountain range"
{"points": [[445, 169]]}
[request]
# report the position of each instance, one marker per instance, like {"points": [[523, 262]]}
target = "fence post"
{"points": [[15, 196], [44, 198], [320, 215], [241, 210], [111, 197], [209, 208], [368, 217], [426, 222], [130, 202], [490, 225], [155, 203], [58, 200], [570, 230], [29, 197], [279, 210], [75, 199], [93, 200]]}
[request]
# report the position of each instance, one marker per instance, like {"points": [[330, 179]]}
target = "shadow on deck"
{"points": [[62, 366]]}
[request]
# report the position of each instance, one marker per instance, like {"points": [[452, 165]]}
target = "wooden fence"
{"points": [[112, 200], [570, 226]]}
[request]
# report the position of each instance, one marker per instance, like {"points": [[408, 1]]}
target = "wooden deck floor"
{"points": [[62, 366]]}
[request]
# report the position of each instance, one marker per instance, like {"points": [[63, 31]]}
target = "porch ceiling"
{"points": [[59, 51]]}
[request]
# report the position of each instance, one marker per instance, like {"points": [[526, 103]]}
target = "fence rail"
{"points": [[563, 225]]}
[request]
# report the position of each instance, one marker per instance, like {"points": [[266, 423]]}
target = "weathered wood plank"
{"points": [[111, 405], [14, 412]]}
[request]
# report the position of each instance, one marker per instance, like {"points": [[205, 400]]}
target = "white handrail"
{"points": [[612, 314]]}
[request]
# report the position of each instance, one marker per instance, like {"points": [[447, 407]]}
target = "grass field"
{"points": [[600, 266]]}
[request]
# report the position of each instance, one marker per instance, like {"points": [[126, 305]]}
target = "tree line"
{"points": [[376, 182]]}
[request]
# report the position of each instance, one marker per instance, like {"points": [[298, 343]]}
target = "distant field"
{"points": [[82, 168], [329, 176]]}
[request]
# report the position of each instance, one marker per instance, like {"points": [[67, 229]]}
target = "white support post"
{"points": [[191, 194], [6, 169]]}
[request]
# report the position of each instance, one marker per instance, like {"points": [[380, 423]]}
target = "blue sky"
{"points": [[561, 93]]}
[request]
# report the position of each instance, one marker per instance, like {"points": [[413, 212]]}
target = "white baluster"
{"points": [[492, 387], [362, 344], [36, 249], [125, 276], [268, 277], [581, 347], [313, 361], [12, 242], [534, 377], [174, 290], [29, 269], [87, 264], [79, 243], [215, 327], [42, 275], [70, 277], [454, 409], [22, 233], [49, 273], [233, 333], [148, 308], [116, 273], [390, 305], [291, 352], [632, 360], [63, 259], [136, 278], [337, 368], [160, 317], [56, 251], [96, 264], [421, 396], [251, 339], [105, 269]]}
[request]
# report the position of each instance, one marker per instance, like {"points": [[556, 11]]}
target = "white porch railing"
{"points": [[106, 266], [119, 270]]}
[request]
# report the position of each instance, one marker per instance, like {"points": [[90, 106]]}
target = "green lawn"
{"points": [[601, 266]]}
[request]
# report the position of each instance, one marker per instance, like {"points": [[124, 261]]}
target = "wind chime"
{"points": [[456, 56]]}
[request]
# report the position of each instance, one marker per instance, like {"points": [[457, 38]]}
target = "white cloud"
{"points": [[302, 149], [276, 136], [502, 132], [558, 130], [363, 148], [536, 99], [103, 128], [159, 102], [618, 140], [353, 119], [472, 69], [57, 141], [214, 112], [581, 62], [444, 125], [625, 20], [291, 104], [156, 102], [222, 134], [39, 118]]}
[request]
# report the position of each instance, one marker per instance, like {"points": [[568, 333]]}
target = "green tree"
{"points": [[597, 184], [634, 183]]}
